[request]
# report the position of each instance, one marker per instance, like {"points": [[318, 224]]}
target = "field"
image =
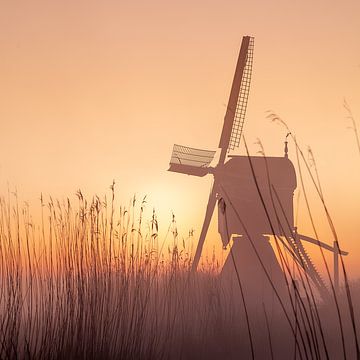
{"points": [[94, 280]]}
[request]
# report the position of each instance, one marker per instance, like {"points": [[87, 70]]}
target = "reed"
{"points": [[92, 280]]}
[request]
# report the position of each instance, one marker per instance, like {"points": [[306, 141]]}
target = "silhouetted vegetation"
{"points": [[94, 280]]}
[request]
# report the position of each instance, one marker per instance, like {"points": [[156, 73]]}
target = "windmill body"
{"points": [[254, 196], [247, 212], [246, 181]]}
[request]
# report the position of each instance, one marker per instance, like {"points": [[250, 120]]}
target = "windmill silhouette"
{"points": [[254, 196]]}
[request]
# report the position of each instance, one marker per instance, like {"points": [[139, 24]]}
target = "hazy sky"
{"points": [[92, 91]]}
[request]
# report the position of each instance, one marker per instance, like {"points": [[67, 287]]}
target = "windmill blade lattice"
{"points": [[190, 156], [241, 105], [308, 265]]}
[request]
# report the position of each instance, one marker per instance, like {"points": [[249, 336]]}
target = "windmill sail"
{"points": [[235, 112], [190, 161], [190, 156], [208, 215], [241, 105]]}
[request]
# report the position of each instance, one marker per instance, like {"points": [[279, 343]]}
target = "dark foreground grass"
{"points": [[96, 282]]}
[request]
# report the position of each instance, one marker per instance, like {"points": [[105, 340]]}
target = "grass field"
{"points": [[95, 281]]}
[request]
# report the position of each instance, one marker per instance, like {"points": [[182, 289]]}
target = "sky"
{"points": [[93, 91]]}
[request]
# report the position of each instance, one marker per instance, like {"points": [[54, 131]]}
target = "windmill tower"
{"points": [[254, 195]]}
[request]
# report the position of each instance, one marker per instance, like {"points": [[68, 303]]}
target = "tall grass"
{"points": [[94, 280], [91, 281]]}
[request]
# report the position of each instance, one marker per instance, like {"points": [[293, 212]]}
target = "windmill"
{"points": [[254, 193]]}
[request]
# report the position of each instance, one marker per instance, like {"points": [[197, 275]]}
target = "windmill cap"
{"points": [[279, 171]]}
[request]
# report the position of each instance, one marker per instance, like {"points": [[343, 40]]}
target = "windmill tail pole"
{"points": [[209, 211]]}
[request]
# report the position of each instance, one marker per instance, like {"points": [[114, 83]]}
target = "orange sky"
{"points": [[96, 90]]}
